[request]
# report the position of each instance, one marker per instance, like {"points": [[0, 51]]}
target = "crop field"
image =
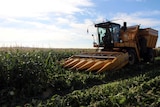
{"points": [[33, 77]]}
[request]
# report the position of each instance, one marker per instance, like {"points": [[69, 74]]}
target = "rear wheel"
{"points": [[132, 57], [149, 56]]}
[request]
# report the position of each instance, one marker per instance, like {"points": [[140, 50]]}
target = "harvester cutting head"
{"points": [[98, 61], [120, 46]]}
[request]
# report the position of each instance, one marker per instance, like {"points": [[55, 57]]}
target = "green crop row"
{"points": [[26, 74], [139, 91], [36, 78]]}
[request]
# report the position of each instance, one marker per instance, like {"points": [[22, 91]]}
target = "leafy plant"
{"points": [[35, 77]]}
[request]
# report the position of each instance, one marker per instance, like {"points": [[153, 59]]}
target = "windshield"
{"points": [[115, 33], [101, 34], [112, 32]]}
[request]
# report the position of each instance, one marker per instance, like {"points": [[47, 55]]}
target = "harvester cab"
{"points": [[108, 34], [120, 46]]}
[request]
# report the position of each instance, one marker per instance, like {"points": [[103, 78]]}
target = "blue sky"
{"points": [[64, 23]]}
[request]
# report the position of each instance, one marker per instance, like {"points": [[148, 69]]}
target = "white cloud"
{"points": [[36, 37], [46, 34], [35, 8], [42, 22], [138, 18]]}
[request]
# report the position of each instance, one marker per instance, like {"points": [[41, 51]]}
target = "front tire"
{"points": [[132, 57]]}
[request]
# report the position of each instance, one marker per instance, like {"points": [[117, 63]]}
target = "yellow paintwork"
{"points": [[114, 60], [88, 64], [72, 63], [79, 64], [96, 65], [99, 65]]}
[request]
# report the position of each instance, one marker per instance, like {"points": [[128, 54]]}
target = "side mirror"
{"points": [[94, 43]]}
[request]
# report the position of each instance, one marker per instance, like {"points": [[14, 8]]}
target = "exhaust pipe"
{"points": [[124, 26]]}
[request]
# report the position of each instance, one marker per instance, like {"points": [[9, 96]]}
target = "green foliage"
{"points": [[36, 78]]}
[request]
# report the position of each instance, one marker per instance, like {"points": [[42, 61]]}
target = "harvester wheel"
{"points": [[151, 55], [132, 57]]}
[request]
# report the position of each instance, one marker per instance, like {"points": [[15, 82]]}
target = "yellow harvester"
{"points": [[120, 46]]}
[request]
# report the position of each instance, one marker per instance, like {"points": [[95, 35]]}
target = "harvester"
{"points": [[120, 45]]}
